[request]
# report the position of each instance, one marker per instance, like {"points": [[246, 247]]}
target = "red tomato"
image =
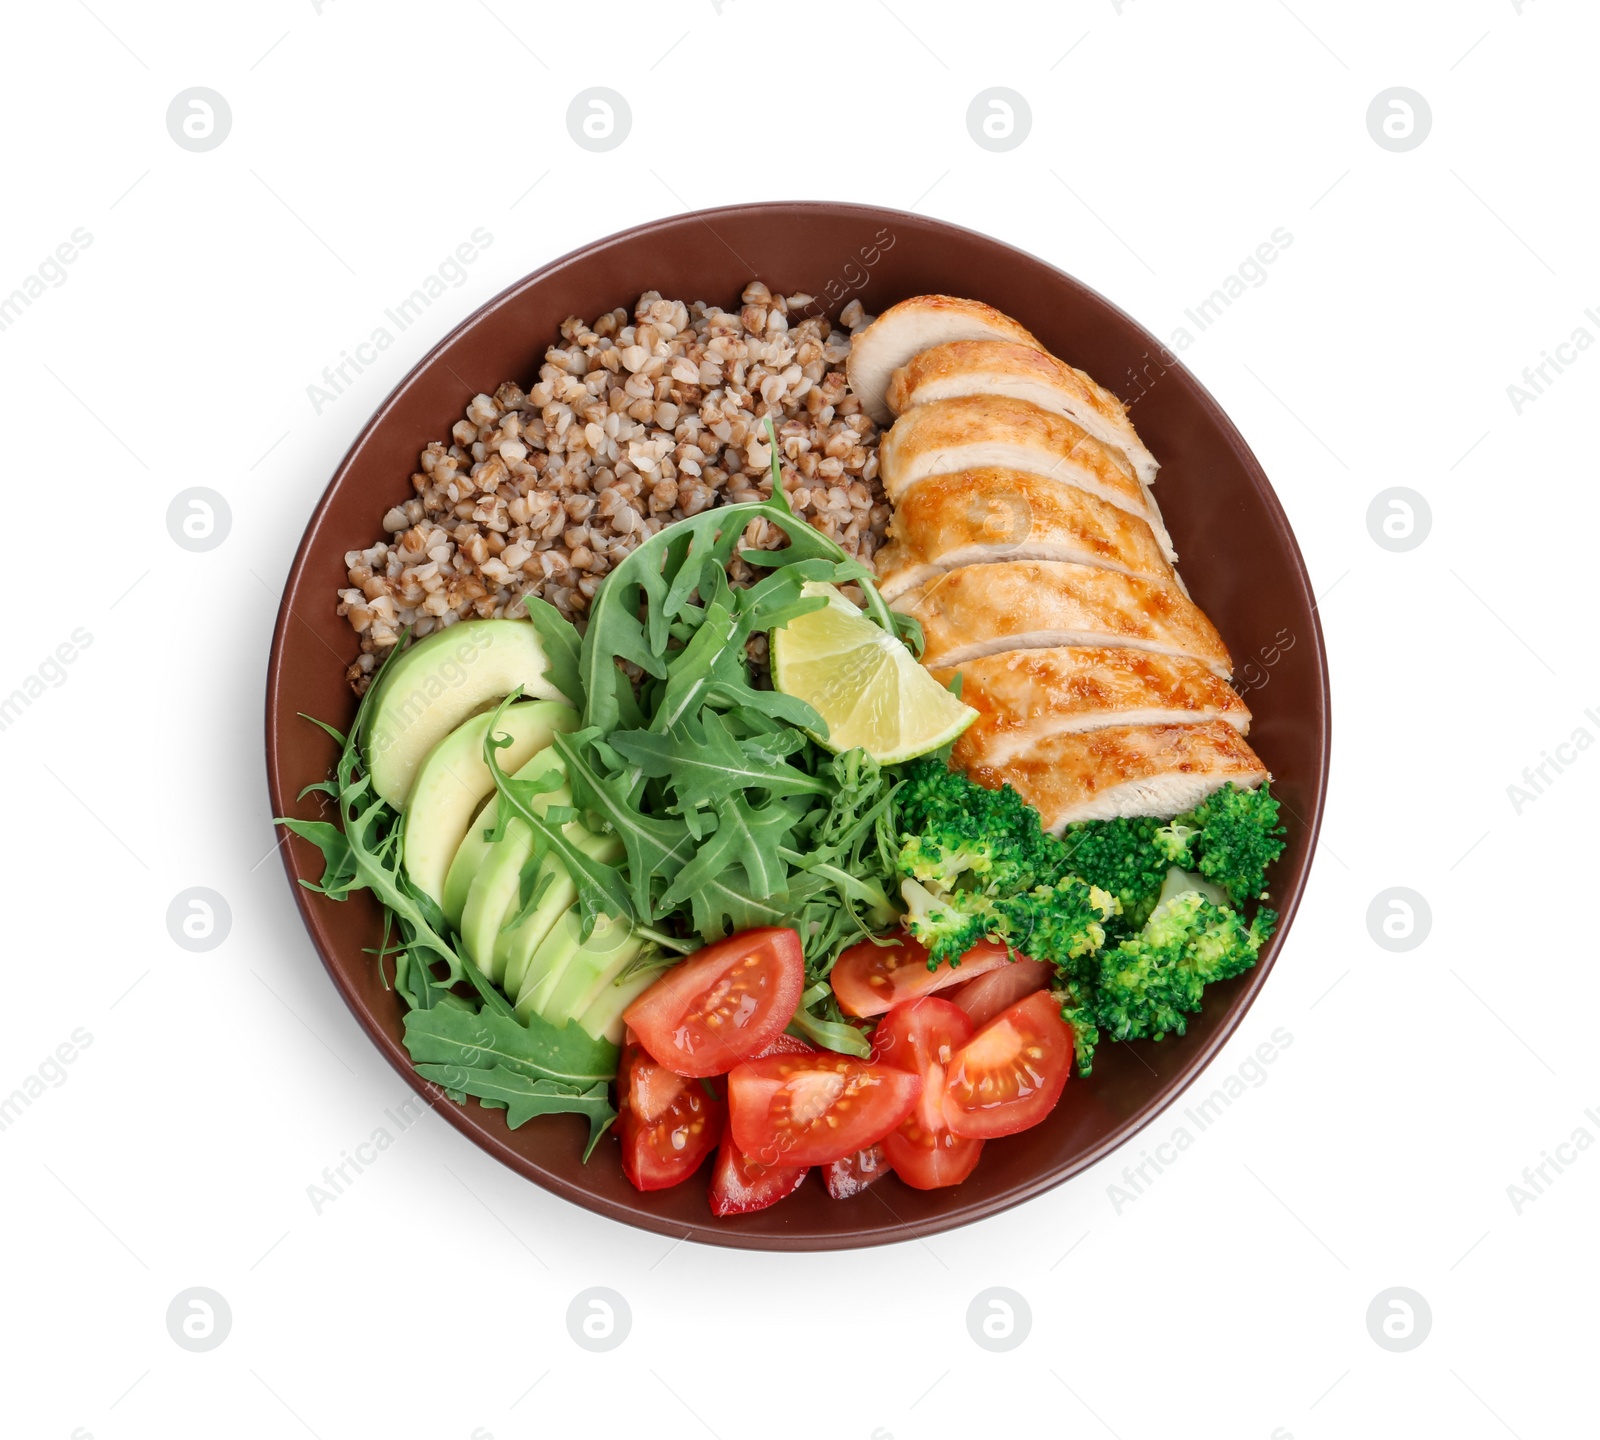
{"points": [[1011, 1073], [667, 1124], [851, 1175], [787, 1044], [999, 989], [739, 1185], [869, 978], [924, 1036], [811, 1109], [723, 1004]]}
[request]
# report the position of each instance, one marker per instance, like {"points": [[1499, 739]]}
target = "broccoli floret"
{"points": [[1237, 836], [1058, 923], [1147, 984], [926, 859], [951, 825], [949, 924], [1120, 856], [1172, 842], [1085, 1033]]}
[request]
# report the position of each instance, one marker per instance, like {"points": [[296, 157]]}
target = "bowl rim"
{"points": [[465, 1118]]}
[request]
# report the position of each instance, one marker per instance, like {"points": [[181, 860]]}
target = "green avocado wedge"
{"points": [[592, 968], [465, 865], [453, 782], [443, 679], [609, 949], [603, 1018], [515, 945], [492, 897]]}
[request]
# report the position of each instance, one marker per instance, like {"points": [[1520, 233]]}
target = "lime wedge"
{"points": [[864, 683]]}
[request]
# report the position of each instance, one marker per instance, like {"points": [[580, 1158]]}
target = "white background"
{"points": [[367, 141]]}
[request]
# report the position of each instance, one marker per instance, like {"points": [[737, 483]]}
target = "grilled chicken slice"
{"points": [[1125, 770], [973, 432], [1026, 696], [916, 325], [1003, 367], [1036, 604], [973, 516]]}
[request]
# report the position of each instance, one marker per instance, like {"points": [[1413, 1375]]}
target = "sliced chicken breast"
{"points": [[1026, 696], [972, 432], [969, 517], [916, 325], [1126, 770], [1003, 367], [983, 610]]}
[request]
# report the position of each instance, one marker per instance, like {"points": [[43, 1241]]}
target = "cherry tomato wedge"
{"points": [[1011, 1073], [667, 1125], [787, 1044], [869, 978], [723, 1004], [851, 1175], [739, 1185], [812, 1109], [924, 1037], [1001, 988]]}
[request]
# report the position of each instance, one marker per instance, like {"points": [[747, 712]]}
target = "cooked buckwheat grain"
{"points": [[632, 424]]}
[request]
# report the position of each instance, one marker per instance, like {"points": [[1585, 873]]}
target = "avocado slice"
{"points": [[564, 948], [603, 1018], [598, 961], [468, 859], [474, 848], [451, 784], [514, 947], [444, 678], [496, 885]]}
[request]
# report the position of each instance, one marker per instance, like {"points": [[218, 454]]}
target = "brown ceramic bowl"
{"points": [[1239, 559]]}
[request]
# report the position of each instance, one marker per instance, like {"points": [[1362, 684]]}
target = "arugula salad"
{"points": [[703, 874]]}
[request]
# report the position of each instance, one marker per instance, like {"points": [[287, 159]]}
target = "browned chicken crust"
{"points": [[1025, 696], [1004, 367], [974, 516], [915, 325], [1033, 604], [973, 432]]}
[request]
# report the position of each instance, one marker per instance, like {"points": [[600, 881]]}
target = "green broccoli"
{"points": [[1147, 984], [1058, 923], [1078, 1014], [976, 863], [1137, 916], [1231, 838], [926, 859], [1120, 856], [949, 923], [951, 826]]}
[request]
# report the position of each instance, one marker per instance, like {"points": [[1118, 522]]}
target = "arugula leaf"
{"points": [[745, 843], [695, 667], [523, 1098], [365, 855], [655, 848], [830, 1029], [706, 767], [531, 1047], [662, 575], [562, 647]]}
